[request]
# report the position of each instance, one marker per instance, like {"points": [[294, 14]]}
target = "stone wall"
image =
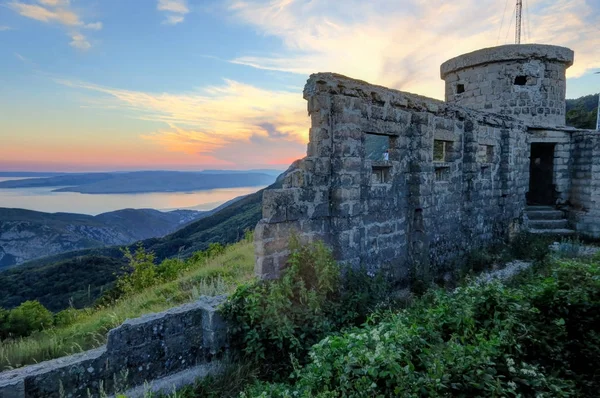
{"points": [[453, 180], [584, 214], [144, 349], [526, 81]]}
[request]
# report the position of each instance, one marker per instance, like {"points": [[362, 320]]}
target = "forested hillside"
{"points": [[582, 112], [26, 235], [83, 275]]}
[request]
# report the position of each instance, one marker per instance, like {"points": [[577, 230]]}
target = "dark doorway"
{"points": [[541, 172]]}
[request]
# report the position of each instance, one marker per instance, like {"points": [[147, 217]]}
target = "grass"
{"points": [[219, 275]]}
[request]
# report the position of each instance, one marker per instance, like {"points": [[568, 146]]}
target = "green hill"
{"points": [[582, 112], [26, 235], [84, 274]]}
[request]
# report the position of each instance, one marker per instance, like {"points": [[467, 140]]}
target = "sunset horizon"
{"points": [[196, 85]]}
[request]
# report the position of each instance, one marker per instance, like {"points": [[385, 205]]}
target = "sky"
{"points": [[89, 85]]}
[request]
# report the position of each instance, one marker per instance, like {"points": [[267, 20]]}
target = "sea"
{"points": [[45, 200]]}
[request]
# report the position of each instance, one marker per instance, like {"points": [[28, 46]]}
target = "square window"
{"points": [[380, 175], [460, 88], [377, 147], [442, 174], [485, 154], [520, 80], [441, 150]]}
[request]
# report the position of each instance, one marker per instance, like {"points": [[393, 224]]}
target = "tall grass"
{"points": [[219, 275]]}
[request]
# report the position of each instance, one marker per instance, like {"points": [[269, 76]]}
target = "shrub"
{"points": [[28, 317], [538, 339], [527, 246], [277, 322], [143, 271], [170, 269], [67, 317], [3, 323]]}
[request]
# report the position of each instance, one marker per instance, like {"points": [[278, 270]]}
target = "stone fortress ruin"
{"points": [[396, 180]]}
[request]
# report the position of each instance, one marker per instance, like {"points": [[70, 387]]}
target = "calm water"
{"points": [[43, 199]]}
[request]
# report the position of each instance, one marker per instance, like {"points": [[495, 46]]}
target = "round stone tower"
{"points": [[526, 81]]}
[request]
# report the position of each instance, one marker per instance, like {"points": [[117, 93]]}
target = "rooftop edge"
{"points": [[508, 52]]}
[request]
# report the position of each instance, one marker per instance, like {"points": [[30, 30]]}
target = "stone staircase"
{"points": [[547, 220]]}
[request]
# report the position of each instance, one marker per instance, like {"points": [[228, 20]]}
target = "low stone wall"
{"points": [[584, 214], [143, 349]]}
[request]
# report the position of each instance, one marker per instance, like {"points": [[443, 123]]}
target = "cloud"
{"points": [[80, 42], [235, 123], [4, 28], [403, 46], [94, 26], [175, 10], [59, 12]]}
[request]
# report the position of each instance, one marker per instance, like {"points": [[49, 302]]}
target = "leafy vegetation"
{"points": [[278, 321], [537, 338], [582, 112], [215, 271]]}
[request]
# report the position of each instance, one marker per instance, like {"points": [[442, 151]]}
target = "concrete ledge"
{"points": [[511, 52]]}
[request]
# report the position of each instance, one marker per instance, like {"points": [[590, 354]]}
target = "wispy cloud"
{"points": [[61, 13], [403, 46], [175, 10], [4, 28], [234, 123]]}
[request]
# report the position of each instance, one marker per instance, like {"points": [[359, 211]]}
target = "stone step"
{"points": [[537, 208], [549, 224], [558, 231], [545, 215]]}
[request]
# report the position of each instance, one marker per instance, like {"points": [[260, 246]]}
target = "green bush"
{"points": [[67, 317], [279, 321], [538, 339], [527, 246], [3, 323], [142, 271], [27, 318], [170, 269]]}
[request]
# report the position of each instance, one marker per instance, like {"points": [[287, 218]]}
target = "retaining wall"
{"points": [[143, 349]]}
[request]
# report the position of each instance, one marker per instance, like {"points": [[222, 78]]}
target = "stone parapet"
{"points": [[510, 52], [140, 350]]}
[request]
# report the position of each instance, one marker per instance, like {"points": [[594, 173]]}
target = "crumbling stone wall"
{"points": [[140, 350], [526, 81], [584, 214], [452, 181]]}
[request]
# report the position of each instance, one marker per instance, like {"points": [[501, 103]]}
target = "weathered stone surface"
{"points": [[369, 220], [526, 81], [139, 350], [456, 176]]}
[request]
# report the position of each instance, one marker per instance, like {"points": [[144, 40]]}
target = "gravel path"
{"points": [[510, 269]]}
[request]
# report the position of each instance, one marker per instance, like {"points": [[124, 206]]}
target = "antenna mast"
{"points": [[519, 12]]}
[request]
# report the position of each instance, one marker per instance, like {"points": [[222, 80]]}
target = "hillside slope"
{"points": [[26, 234], [86, 273], [582, 112]]}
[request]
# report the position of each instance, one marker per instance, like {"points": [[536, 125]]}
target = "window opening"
{"points": [[442, 174], [460, 88], [485, 154], [441, 150], [520, 80], [377, 147]]}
